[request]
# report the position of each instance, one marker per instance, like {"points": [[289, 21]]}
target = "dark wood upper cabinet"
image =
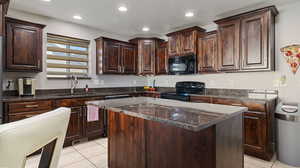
{"points": [[147, 50], [229, 45], [115, 57], [174, 44], [162, 59], [184, 42], [128, 56], [24, 41], [246, 41], [207, 53], [112, 57], [256, 48]]}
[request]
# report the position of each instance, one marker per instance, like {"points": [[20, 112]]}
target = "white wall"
{"points": [[287, 32], [78, 31]]}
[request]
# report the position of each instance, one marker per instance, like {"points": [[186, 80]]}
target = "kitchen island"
{"points": [[159, 133]]}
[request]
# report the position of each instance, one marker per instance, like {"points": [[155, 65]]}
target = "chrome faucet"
{"points": [[74, 83]]}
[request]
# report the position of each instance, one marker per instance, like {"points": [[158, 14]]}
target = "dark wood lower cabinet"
{"points": [[75, 128], [94, 129], [258, 124], [256, 136], [79, 128]]}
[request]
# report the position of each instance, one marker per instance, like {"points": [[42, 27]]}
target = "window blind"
{"points": [[67, 56]]}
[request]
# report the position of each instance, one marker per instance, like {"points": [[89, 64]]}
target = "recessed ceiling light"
{"points": [[123, 9], [189, 14], [145, 29], [46, 0], [77, 17]]}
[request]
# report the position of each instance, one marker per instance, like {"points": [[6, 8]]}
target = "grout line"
{"points": [[85, 157]]}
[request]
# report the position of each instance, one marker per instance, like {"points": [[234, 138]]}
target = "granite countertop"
{"points": [[187, 115], [65, 96], [253, 96]]}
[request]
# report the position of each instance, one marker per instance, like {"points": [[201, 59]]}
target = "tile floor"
{"points": [[93, 154]]}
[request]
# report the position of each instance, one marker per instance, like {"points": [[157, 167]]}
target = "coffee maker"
{"points": [[26, 86]]}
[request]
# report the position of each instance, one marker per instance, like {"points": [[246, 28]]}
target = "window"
{"points": [[67, 56]]}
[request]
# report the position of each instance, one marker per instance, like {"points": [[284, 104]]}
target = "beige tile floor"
{"points": [[93, 154]]}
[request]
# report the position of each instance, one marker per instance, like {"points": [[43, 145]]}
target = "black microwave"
{"points": [[182, 65]]}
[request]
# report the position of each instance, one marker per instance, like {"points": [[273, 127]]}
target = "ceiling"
{"points": [[161, 16]]}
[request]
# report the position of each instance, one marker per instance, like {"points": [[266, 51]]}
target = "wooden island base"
{"points": [[138, 143]]}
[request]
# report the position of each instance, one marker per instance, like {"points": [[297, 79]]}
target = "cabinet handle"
{"points": [[236, 104], [32, 106], [28, 116]]}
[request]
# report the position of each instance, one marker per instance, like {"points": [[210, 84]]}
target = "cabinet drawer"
{"points": [[30, 106], [201, 99], [252, 106], [75, 102], [21, 116]]}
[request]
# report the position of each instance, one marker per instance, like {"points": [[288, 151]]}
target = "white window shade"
{"points": [[67, 56]]}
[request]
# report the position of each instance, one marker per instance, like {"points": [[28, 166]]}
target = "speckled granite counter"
{"points": [[191, 116]]}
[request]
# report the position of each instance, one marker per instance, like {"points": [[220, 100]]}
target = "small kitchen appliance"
{"points": [[184, 89], [26, 86]]}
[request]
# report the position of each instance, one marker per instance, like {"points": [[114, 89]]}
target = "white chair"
{"points": [[22, 138]]}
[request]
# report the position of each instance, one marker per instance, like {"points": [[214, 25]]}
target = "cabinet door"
{"points": [[23, 48], [111, 57], [207, 53], [128, 59], [174, 45], [255, 42], [229, 46], [188, 42], [94, 129], [75, 128], [162, 59], [147, 56], [255, 133]]}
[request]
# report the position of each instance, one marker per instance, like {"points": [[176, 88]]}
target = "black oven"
{"points": [[182, 65]]}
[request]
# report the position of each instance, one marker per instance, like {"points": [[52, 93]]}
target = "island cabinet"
{"points": [[115, 57], [208, 52], [147, 52], [154, 144], [258, 123], [162, 59], [24, 46], [246, 41], [184, 42]]}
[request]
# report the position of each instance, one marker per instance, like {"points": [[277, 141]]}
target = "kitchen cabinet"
{"points": [[24, 46], [257, 45], [174, 44], [229, 45], [78, 128], [129, 61], [258, 123], [115, 57], [208, 53], [111, 59], [147, 52], [255, 131], [246, 41], [162, 59], [75, 127], [184, 42]]}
